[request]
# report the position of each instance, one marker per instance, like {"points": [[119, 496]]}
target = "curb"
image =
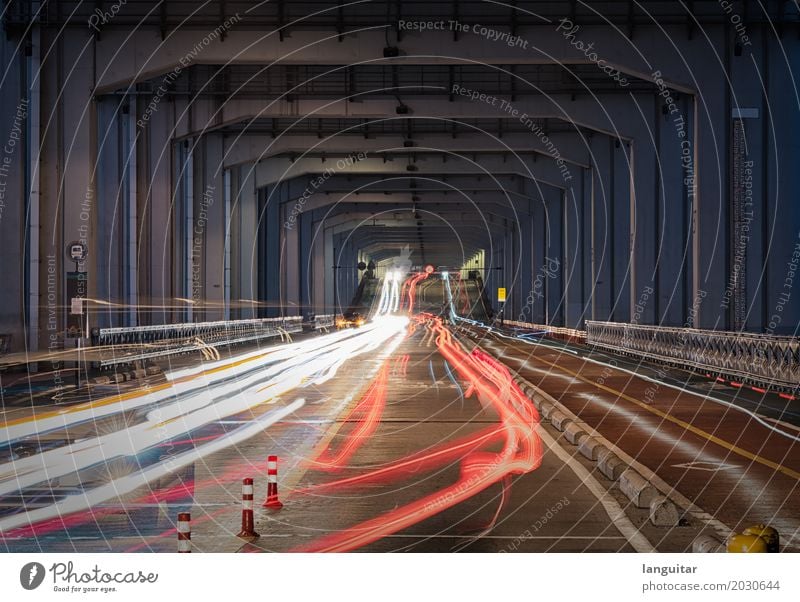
{"points": [[657, 499]]}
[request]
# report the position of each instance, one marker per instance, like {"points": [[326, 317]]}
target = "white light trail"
{"points": [[127, 484], [185, 382], [205, 405]]}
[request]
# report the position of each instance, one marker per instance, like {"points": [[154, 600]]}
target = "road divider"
{"points": [[636, 488], [707, 544], [610, 465], [663, 513], [559, 420], [589, 448], [574, 433], [546, 410]]}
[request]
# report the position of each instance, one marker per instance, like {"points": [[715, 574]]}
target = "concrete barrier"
{"points": [[590, 448], [574, 433], [610, 465], [560, 420], [546, 410], [706, 544], [664, 513], [637, 489]]}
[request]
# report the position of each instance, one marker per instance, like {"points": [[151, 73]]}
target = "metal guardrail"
{"points": [[753, 358], [324, 321], [137, 343], [560, 332]]}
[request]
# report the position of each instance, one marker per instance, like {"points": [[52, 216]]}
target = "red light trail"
{"points": [[412, 288], [491, 382], [368, 414]]}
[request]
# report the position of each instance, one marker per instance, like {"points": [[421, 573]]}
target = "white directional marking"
{"points": [[707, 466]]}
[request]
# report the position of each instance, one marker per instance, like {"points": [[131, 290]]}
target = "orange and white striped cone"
{"points": [[184, 533], [248, 528], [272, 484]]}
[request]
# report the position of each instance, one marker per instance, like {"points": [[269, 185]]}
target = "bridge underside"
{"points": [[457, 264]]}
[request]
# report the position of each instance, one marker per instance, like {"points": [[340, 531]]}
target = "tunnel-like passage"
{"points": [[451, 262]]}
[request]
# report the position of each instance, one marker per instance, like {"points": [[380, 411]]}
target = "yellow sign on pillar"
{"points": [[501, 295]]}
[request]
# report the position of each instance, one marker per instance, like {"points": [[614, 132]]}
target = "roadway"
{"points": [[406, 434], [732, 453]]}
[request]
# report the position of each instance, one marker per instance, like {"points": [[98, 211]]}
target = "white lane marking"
{"points": [[515, 537], [788, 425], [617, 515], [707, 466]]}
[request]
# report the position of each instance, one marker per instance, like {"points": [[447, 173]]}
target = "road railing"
{"points": [[137, 343], [773, 361], [557, 332], [322, 321]]}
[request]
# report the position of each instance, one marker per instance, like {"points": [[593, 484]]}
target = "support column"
{"points": [[602, 148], [711, 217], [574, 251], [674, 249], [269, 250], [620, 233], [246, 216], [644, 214]]}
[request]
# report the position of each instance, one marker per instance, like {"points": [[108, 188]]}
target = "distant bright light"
{"points": [[445, 275], [429, 269]]}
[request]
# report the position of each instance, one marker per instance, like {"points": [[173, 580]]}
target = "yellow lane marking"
{"points": [[689, 427]]}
